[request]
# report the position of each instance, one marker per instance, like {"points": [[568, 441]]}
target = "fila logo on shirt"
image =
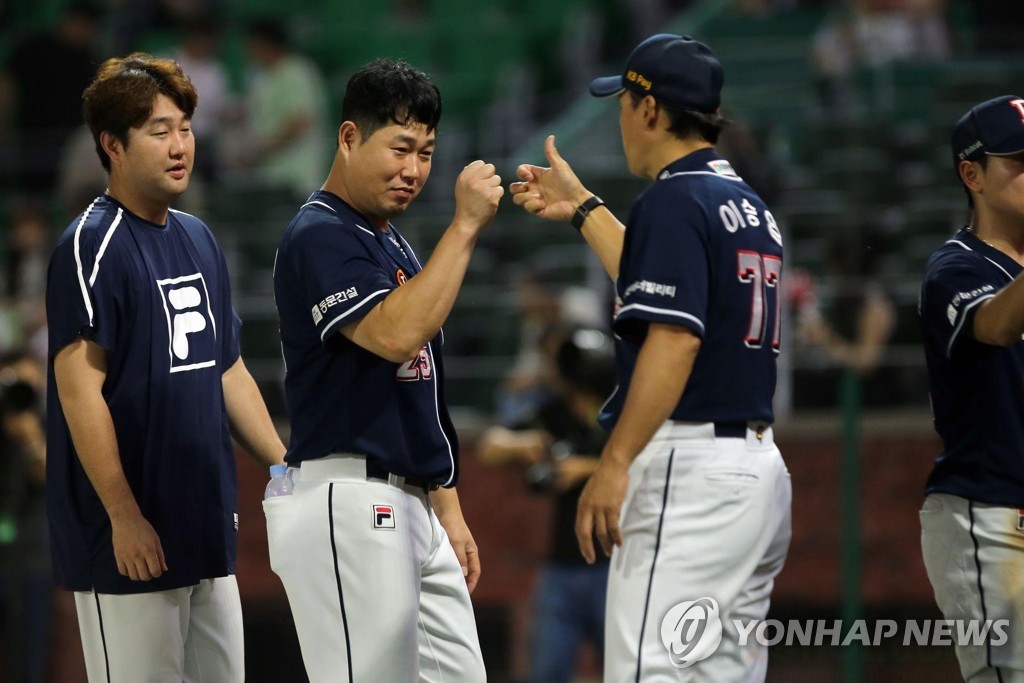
{"points": [[383, 517], [192, 332]]}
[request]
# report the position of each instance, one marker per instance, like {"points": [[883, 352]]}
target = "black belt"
{"points": [[738, 430], [376, 472]]}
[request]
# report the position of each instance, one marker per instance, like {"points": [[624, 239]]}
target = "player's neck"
{"points": [[669, 150], [154, 212], [337, 187]]}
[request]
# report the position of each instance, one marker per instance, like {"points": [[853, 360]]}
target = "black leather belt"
{"points": [[376, 472], [738, 430]]}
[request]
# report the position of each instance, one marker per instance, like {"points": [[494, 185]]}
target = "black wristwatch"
{"points": [[584, 209]]}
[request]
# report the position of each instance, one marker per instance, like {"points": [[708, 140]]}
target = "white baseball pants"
{"points": [[191, 634], [974, 555], [375, 587], [703, 517]]}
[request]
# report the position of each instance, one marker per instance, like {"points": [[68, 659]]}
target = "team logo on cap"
{"points": [[634, 77], [383, 517]]}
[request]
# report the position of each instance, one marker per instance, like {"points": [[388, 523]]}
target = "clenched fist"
{"points": [[477, 193]]}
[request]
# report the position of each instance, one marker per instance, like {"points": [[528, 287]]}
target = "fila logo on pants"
{"points": [[383, 517]]}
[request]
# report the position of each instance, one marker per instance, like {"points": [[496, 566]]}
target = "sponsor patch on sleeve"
{"points": [[331, 300]]}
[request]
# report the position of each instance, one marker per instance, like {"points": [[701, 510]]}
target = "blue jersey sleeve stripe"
{"points": [[103, 246], [963, 318], [78, 262], [369, 300], [662, 311]]}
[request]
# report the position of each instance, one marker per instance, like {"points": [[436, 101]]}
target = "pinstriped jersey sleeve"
{"points": [[333, 274], [953, 290], [665, 274], [84, 292]]}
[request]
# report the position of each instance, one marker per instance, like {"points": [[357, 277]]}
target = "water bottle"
{"points": [[280, 483]]}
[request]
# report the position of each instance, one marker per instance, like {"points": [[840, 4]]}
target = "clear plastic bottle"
{"points": [[280, 483]]}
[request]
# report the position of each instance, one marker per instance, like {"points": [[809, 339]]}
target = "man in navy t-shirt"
{"points": [[372, 547], [972, 314], [145, 381], [691, 497]]}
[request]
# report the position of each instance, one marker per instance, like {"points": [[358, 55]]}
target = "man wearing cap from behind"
{"points": [[691, 497], [972, 312]]}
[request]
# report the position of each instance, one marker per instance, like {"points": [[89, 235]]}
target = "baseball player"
{"points": [[145, 380], [372, 548], [691, 491], [972, 313]]}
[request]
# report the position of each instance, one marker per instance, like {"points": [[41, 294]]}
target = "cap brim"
{"points": [[1007, 147], [606, 86]]}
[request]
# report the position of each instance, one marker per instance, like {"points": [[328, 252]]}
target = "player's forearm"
{"points": [[605, 235], [247, 414], [1000, 320], [662, 370], [411, 315]]}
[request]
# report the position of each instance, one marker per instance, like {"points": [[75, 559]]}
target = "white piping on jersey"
{"points": [[331, 209], [663, 311], [350, 311], [733, 178], [103, 245], [963, 319], [319, 203], [437, 412], [984, 257], [78, 261]]}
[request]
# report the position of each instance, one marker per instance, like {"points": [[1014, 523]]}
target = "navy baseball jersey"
{"points": [[977, 390], [702, 251], [158, 300], [332, 268]]}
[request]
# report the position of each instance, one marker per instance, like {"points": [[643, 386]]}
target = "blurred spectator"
{"points": [[26, 251], [546, 307], [853, 328], [740, 144], [132, 21], [560, 444], [874, 33], [286, 113], [26, 586], [199, 56], [41, 93]]}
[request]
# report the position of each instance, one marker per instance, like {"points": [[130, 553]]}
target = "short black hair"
{"points": [[685, 123], [387, 91]]}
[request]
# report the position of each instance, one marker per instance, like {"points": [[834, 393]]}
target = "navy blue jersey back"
{"points": [[158, 300], [702, 251], [332, 268], [977, 390]]}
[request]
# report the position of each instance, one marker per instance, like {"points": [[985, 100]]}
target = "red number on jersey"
{"points": [[763, 272]]}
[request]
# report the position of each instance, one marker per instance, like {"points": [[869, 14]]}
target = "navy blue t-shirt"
{"points": [[332, 268], [977, 390], [158, 300], [703, 251]]}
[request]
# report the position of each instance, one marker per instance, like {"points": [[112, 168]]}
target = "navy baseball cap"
{"points": [[676, 70], [994, 127]]}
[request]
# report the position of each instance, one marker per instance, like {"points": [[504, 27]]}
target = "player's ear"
{"points": [[649, 109], [348, 136], [971, 174], [112, 145]]}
